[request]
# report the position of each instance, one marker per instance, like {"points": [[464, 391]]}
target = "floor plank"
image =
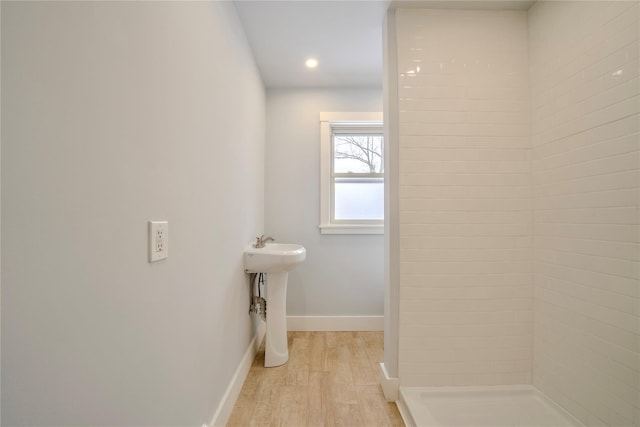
{"points": [[330, 380]]}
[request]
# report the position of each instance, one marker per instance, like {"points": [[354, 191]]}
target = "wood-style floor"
{"points": [[331, 379]]}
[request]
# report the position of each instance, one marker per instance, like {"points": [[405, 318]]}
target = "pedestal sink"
{"points": [[276, 260]]}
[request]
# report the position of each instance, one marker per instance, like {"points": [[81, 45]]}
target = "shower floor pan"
{"points": [[508, 406]]}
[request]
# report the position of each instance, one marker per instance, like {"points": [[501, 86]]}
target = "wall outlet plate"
{"points": [[158, 240]]}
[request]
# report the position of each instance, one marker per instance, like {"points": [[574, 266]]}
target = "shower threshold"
{"points": [[499, 406]]}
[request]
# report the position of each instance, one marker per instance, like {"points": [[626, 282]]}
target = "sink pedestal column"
{"points": [[276, 347]]}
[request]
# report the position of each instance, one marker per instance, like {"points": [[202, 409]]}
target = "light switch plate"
{"points": [[158, 240]]}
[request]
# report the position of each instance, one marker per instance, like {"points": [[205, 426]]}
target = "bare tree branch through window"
{"points": [[363, 151]]}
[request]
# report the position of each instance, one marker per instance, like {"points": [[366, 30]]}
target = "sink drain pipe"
{"points": [[258, 304]]}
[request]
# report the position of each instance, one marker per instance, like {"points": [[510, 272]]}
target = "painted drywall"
{"points": [[342, 274], [116, 113], [585, 121], [465, 207]]}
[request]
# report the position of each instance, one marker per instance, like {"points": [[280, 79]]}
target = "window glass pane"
{"points": [[362, 199], [357, 153]]}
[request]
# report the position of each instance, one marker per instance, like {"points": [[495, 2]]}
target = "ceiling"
{"points": [[344, 35]]}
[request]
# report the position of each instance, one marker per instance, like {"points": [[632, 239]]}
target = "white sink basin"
{"points": [[276, 260], [273, 258]]}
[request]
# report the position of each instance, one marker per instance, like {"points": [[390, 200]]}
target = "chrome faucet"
{"points": [[260, 241]]}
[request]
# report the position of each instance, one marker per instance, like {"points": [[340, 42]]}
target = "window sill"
{"points": [[351, 229]]}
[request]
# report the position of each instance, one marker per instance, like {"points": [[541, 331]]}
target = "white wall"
{"points": [[343, 274], [115, 113], [465, 214], [584, 80]]}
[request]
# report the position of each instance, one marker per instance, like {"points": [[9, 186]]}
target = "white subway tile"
{"points": [[466, 179], [607, 232], [603, 215], [622, 145], [466, 217], [614, 283], [610, 131], [613, 94], [465, 167], [620, 250], [415, 103], [428, 267], [604, 297], [468, 280], [503, 204], [603, 166], [496, 304], [622, 74], [472, 230], [627, 197], [618, 346], [471, 255], [468, 293], [432, 117], [465, 129], [570, 346], [441, 318], [464, 154], [464, 192], [592, 310], [506, 183]]}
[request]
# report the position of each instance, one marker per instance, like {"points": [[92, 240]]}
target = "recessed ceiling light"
{"points": [[311, 63]]}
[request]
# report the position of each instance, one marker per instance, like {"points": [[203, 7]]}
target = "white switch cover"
{"points": [[158, 240]]}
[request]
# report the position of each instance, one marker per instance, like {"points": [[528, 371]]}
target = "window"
{"points": [[352, 174]]}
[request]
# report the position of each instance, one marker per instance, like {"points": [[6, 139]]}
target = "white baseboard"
{"points": [[405, 413], [335, 323], [230, 397], [390, 385]]}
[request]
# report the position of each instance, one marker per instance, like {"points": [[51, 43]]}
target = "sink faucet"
{"points": [[260, 241]]}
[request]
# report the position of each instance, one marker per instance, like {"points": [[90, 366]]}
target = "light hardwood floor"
{"points": [[331, 379]]}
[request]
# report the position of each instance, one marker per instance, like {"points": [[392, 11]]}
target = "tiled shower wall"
{"points": [[465, 198], [519, 228], [584, 87]]}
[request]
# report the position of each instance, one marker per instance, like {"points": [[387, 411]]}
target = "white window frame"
{"points": [[327, 122]]}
